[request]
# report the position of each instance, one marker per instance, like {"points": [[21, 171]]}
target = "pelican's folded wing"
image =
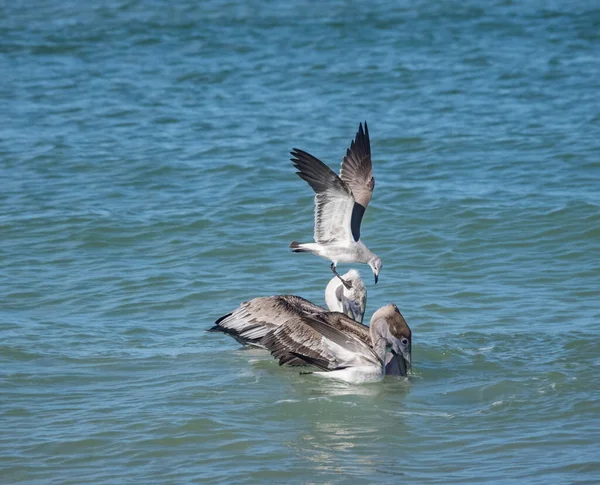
{"points": [[312, 339], [253, 319]]}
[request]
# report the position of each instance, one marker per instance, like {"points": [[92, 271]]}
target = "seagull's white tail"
{"points": [[297, 247]]}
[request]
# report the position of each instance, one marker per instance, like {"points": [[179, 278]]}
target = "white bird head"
{"points": [[352, 300]]}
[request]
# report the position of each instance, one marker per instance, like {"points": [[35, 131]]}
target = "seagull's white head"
{"points": [[349, 298], [375, 264]]}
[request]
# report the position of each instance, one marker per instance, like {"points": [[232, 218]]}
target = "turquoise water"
{"points": [[147, 190]]}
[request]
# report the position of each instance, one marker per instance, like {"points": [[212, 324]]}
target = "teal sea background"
{"points": [[146, 190]]}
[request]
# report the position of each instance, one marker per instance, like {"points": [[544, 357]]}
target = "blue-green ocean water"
{"points": [[146, 190]]}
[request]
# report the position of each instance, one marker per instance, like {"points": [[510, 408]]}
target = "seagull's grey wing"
{"points": [[357, 173], [253, 319], [334, 202], [312, 339]]}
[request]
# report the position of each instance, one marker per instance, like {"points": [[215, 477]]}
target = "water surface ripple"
{"points": [[146, 190]]}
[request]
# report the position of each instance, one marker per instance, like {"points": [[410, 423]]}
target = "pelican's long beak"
{"points": [[395, 365], [376, 278], [407, 357], [403, 358]]}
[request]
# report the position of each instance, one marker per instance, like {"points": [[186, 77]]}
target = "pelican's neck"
{"points": [[331, 298], [377, 331]]}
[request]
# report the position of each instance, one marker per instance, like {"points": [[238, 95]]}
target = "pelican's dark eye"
{"points": [[404, 341]]}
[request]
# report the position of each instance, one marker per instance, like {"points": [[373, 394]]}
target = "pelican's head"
{"points": [[350, 300], [375, 264], [389, 331]]}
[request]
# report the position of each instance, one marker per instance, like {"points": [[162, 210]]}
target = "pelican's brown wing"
{"points": [[313, 339], [253, 319]]}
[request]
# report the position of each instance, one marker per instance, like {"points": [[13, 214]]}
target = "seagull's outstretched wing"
{"points": [[357, 173], [253, 319], [312, 339], [334, 203]]}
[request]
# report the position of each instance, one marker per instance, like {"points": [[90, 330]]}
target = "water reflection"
{"points": [[346, 426]]}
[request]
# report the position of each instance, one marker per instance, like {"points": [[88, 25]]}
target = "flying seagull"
{"points": [[340, 203], [300, 333]]}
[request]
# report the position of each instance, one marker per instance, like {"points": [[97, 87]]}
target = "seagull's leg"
{"points": [[347, 284]]}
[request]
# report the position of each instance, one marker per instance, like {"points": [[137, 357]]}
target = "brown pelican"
{"points": [[340, 347], [300, 333]]}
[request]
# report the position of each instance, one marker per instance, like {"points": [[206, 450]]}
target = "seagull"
{"points": [[340, 203], [348, 295], [249, 331], [334, 343]]}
